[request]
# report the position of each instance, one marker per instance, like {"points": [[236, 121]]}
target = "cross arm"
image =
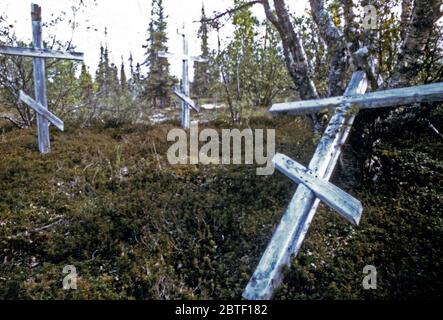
{"points": [[163, 54], [345, 204], [186, 99], [41, 53], [199, 59], [293, 227], [37, 107], [387, 98]]}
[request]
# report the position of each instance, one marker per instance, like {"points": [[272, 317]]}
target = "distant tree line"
{"points": [[243, 71]]}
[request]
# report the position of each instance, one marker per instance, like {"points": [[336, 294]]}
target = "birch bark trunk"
{"points": [[335, 41], [424, 15], [294, 51]]}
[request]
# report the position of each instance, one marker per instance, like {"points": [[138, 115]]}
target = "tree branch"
{"points": [[432, 127], [294, 52], [336, 47], [13, 121], [425, 14], [230, 12]]}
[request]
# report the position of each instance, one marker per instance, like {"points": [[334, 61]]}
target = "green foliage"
{"points": [[203, 77], [64, 88], [252, 66], [113, 99], [86, 84], [316, 51], [134, 226], [157, 85], [400, 232], [271, 79], [106, 201]]}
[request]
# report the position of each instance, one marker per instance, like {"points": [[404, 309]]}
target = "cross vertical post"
{"points": [[40, 80], [291, 231], [39, 54], [313, 181], [183, 94], [185, 112]]}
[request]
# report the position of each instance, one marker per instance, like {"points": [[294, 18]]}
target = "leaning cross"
{"points": [[40, 104], [313, 181], [184, 94]]}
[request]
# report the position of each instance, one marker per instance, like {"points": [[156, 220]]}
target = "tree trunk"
{"points": [[295, 55], [336, 44], [425, 14]]}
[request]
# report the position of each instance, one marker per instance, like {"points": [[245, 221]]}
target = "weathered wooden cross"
{"points": [[184, 94], [40, 104], [313, 181]]}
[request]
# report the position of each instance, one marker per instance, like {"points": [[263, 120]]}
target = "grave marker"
{"points": [[184, 95], [39, 54], [291, 231]]}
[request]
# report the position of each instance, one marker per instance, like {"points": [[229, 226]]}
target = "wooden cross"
{"points": [[184, 94], [313, 181], [38, 53]]}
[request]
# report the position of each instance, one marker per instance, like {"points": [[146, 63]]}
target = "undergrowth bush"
{"points": [[106, 201]]}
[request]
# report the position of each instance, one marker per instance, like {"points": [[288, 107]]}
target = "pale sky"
{"points": [[127, 22]]}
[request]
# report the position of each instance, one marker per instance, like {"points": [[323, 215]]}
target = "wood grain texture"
{"points": [[41, 53], [380, 99], [186, 99], [345, 204], [186, 112], [36, 12], [291, 231], [169, 55], [37, 107], [44, 144]]}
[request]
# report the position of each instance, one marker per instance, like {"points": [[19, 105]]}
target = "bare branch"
{"points": [[433, 128], [230, 12], [13, 121]]}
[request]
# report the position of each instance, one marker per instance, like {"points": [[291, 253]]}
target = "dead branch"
{"points": [[13, 121], [229, 12], [36, 230], [433, 128]]}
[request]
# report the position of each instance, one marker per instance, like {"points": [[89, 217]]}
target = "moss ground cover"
{"points": [[106, 201]]}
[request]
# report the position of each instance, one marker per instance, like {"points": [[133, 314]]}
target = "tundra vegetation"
{"points": [[107, 201]]}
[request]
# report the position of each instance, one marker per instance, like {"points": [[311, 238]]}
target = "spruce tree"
{"points": [[86, 84], [202, 74], [158, 83], [105, 77], [123, 78], [134, 82], [101, 70]]}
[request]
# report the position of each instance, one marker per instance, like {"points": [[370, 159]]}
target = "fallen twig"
{"points": [[35, 230]]}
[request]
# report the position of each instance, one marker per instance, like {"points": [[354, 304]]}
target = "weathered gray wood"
{"points": [[291, 231], [186, 99], [163, 54], [37, 107], [40, 80], [380, 99], [345, 204], [198, 59], [38, 53], [184, 94], [41, 53], [186, 112]]}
